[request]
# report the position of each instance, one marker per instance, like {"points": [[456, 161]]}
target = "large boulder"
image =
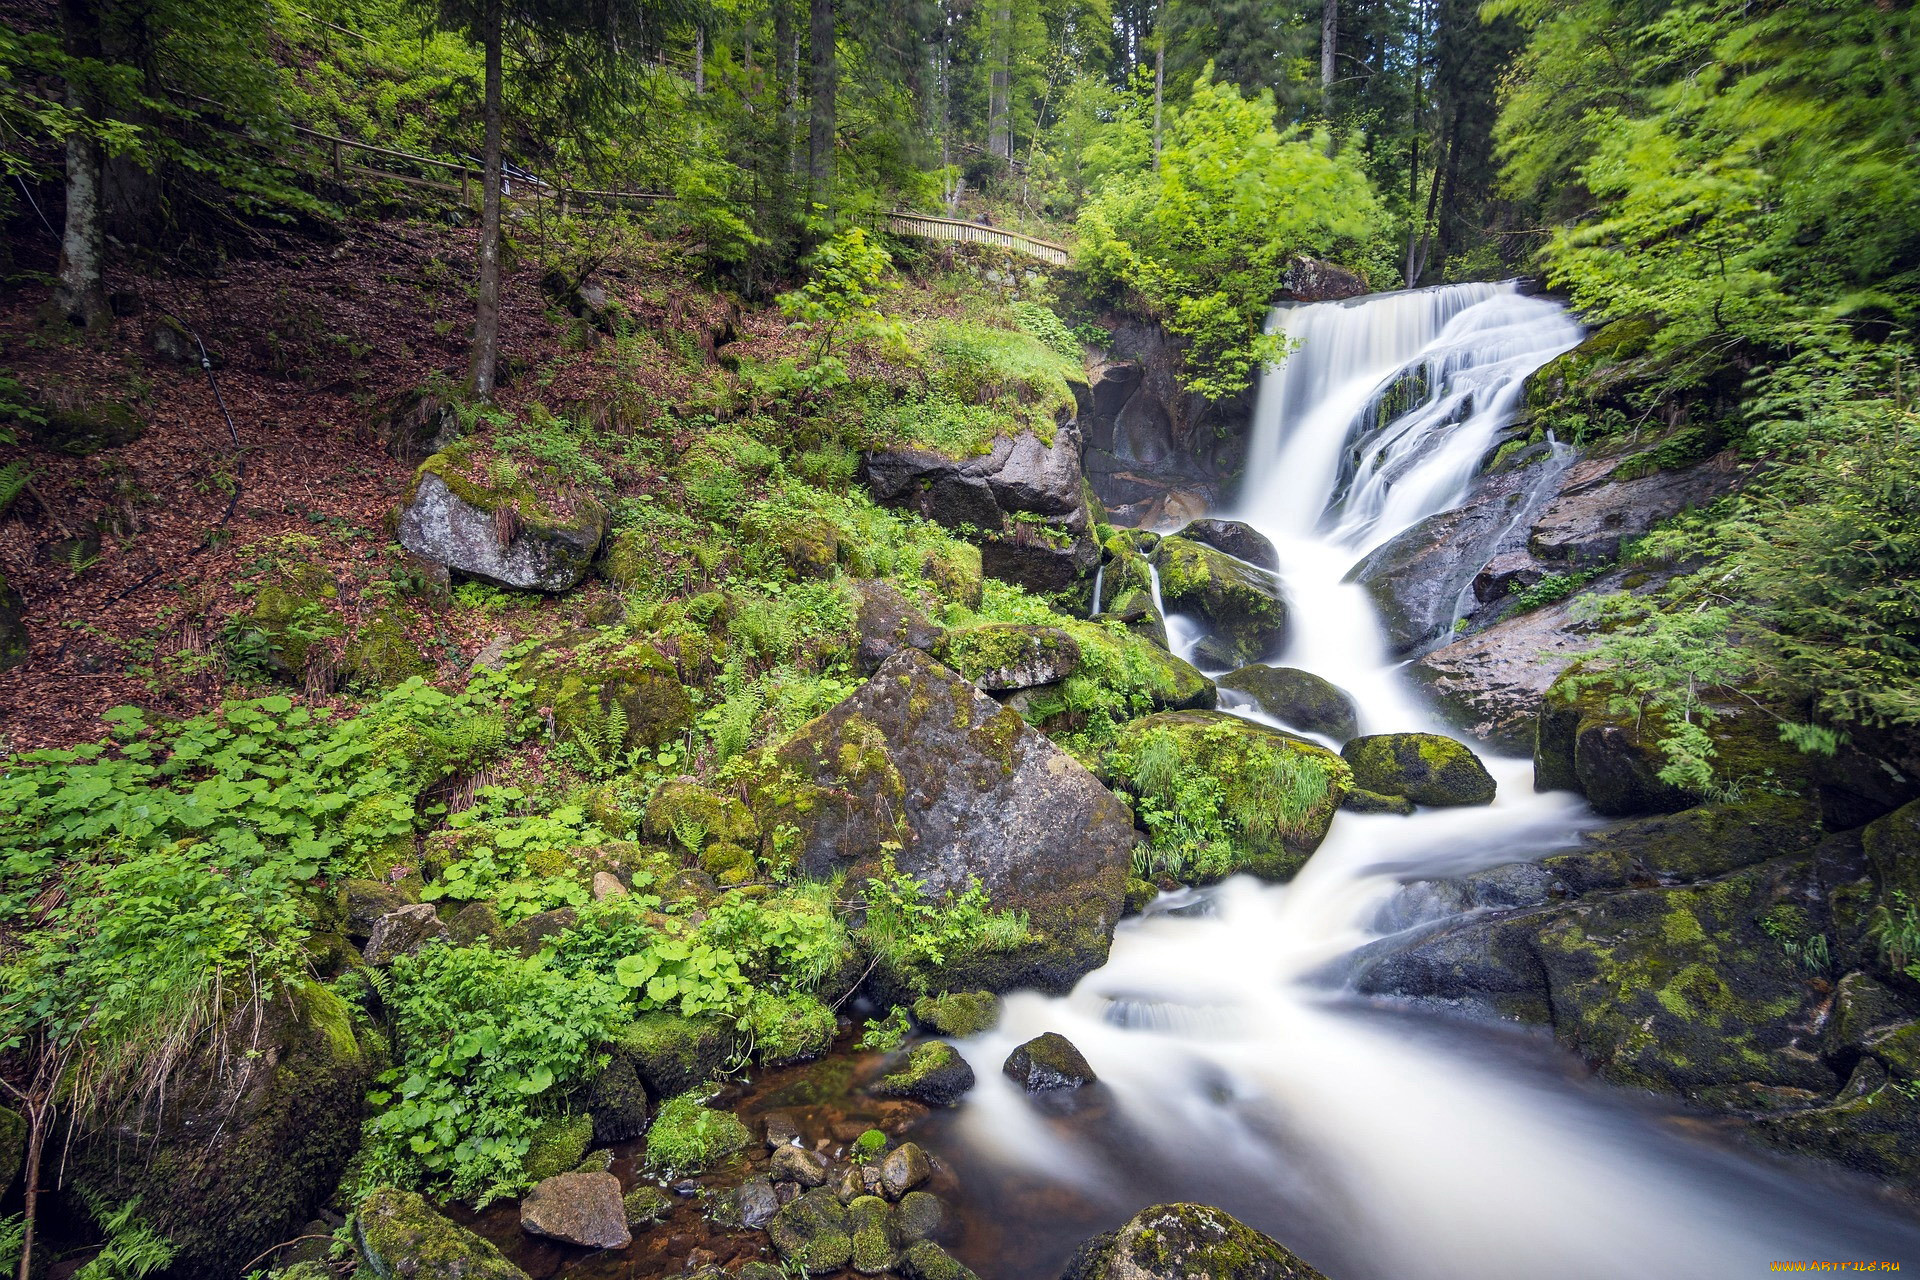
{"points": [[1024, 498], [584, 676], [1595, 512], [1426, 768], [887, 622], [1185, 1242], [1236, 538], [1279, 791], [580, 1208], [1241, 605], [921, 760], [402, 1238], [1003, 656], [1493, 683], [249, 1144], [1415, 579], [1612, 756], [1298, 697], [510, 539]]}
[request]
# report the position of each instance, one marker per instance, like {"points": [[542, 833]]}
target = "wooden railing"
{"points": [[341, 151]]}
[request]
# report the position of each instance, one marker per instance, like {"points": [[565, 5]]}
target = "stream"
{"points": [[1379, 1142]]}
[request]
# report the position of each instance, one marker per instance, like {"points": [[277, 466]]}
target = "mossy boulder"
{"points": [[292, 613], [401, 1237], [584, 677], [499, 530], [869, 1222], [1240, 540], [1241, 605], [1300, 698], [920, 759], [250, 1144], [925, 1260], [558, 1146], [1279, 791], [1892, 846], [788, 1028], [646, 1205], [1611, 756], [617, 1101], [888, 621], [1002, 656], [1426, 768], [84, 429], [813, 1232], [934, 1073], [687, 1136], [1695, 844], [1128, 662], [1047, 1062], [1363, 801], [1872, 1126], [672, 1054], [684, 811], [382, 654], [1185, 1242], [1134, 609], [959, 1013]]}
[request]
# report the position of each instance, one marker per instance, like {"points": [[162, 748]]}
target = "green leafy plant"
{"points": [[845, 278], [887, 1033], [917, 934]]}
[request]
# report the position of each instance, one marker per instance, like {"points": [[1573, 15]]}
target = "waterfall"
{"points": [[1234, 1068]]}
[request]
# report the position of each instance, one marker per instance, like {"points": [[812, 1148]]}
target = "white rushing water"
{"points": [[1377, 1142]]}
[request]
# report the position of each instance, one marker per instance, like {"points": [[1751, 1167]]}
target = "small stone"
{"points": [[928, 1261], [934, 1073], [646, 1205], [873, 1247], [797, 1164], [786, 1192], [918, 1216], [781, 1130], [686, 1187], [607, 885], [752, 1205], [848, 1183], [905, 1168], [1048, 1062], [580, 1208]]}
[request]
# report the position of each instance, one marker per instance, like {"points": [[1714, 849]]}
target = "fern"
{"points": [[133, 1250], [13, 482]]}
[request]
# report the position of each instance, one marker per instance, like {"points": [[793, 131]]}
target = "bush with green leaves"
{"points": [[916, 933], [486, 1044], [845, 278]]}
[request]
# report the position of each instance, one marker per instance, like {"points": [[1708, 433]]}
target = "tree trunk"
{"points": [[826, 86], [82, 291], [1159, 76], [699, 61], [1329, 41], [1000, 81], [486, 314]]}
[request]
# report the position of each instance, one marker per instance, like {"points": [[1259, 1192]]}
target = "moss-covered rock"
{"points": [[250, 1144], [1300, 698], [291, 613], [1892, 846], [672, 1054], [81, 430], [617, 1101], [382, 654], [646, 1205], [869, 1222], [925, 1260], [933, 1073], [888, 621], [496, 528], [1360, 800], [918, 1216], [813, 1232], [1426, 768], [1134, 609], [1610, 756], [1241, 605], [1279, 791], [688, 1136], [1695, 844], [1047, 1062], [788, 1028], [1872, 1126], [1182, 1242], [684, 811], [558, 1146], [402, 1238], [959, 1013], [585, 676], [1000, 656]]}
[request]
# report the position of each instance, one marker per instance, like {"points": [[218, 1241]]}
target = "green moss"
{"points": [[689, 813], [291, 613], [1242, 604], [999, 654], [382, 655], [646, 1205], [788, 1028], [873, 1246], [925, 1260], [558, 1146], [813, 1232], [672, 1054], [959, 1013], [1426, 768], [583, 677], [401, 1237], [687, 1136]]}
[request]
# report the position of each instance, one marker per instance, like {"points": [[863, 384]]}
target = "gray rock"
{"points": [[1416, 577], [752, 1205], [797, 1164], [1297, 697], [440, 526], [966, 788], [887, 621], [579, 1208], [1047, 1062], [402, 932], [1594, 513], [904, 1169], [1185, 1242], [1494, 683], [1237, 539]]}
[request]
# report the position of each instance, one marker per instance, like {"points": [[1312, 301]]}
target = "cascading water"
{"points": [[1375, 1142]]}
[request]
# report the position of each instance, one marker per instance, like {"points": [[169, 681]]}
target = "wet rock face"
{"points": [[1297, 697], [1426, 768], [578, 1208], [402, 1238], [1493, 683], [1415, 579], [538, 556], [1594, 513], [1185, 1242], [1048, 1062], [966, 788], [1241, 606]]}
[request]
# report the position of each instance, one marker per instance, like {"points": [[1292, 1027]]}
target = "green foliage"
{"points": [[499, 861], [1553, 588], [871, 1144], [845, 278], [887, 1033], [486, 1044], [1041, 323], [917, 935], [1894, 928], [133, 1249], [1206, 238]]}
